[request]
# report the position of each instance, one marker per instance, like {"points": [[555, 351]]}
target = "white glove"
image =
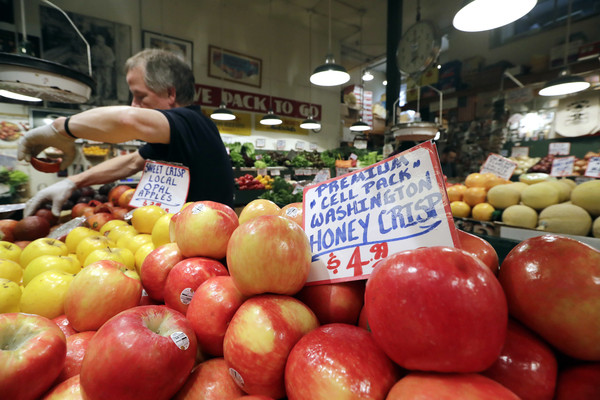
{"points": [[59, 193], [38, 139]]}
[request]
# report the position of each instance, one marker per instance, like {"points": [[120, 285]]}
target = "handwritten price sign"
{"points": [[357, 219], [518, 151], [163, 185], [559, 148], [498, 165], [593, 168], [562, 166]]}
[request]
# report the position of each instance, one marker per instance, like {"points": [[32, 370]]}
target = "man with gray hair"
{"points": [[161, 114]]}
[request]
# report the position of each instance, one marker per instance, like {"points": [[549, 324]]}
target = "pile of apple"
{"points": [[203, 304]]}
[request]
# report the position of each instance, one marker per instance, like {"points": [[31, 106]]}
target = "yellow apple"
{"points": [[10, 270], [10, 251], [50, 262], [45, 294], [160, 230], [119, 254], [74, 237], [121, 230], [257, 208], [73, 256], [41, 247], [141, 253], [134, 242], [91, 243], [111, 224], [144, 218], [10, 296]]}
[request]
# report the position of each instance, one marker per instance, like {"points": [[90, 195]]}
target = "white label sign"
{"points": [[360, 144], [498, 165], [299, 145], [322, 176], [559, 148], [341, 171], [260, 143], [281, 144], [355, 220], [593, 168], [163, 185], [562, 166], [518, 151]]}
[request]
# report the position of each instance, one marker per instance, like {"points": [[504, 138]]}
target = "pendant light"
{"points": [[310, 122], [367, 76], [483, 15], [27, 78], [565, 83], [222, 113], [330, 73], [360, 125], [270, 118]]}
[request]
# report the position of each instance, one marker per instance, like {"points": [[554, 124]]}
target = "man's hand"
{"points": [[59, 193], [38, 139]]}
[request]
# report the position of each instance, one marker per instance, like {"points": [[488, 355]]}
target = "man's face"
{"points": [[143, 97]]}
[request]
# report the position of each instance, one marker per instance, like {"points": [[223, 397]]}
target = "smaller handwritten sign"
{"points": [[312, 146], [559, 148], [593, 168], [341, 171], [518, 151], [498, 165], [299, 145], [164, 185], [562, 166], [281, 144], [260, 143], [360, 144], [322, 176]]}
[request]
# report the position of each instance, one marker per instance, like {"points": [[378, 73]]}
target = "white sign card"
{"points": [[559, 148], [360, 144], [322, 176], [164, 185], [299, 145], [341, 171], [562, 166], [262, 171], [312, 146], [518, 151], [260, 143], [593, 168], [281, 144], [357, 219], [499, 166]]}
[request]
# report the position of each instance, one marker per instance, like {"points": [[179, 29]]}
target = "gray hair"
{"points": [[165, 70]]}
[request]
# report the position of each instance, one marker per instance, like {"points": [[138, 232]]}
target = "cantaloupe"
{"points": [[564, 190], [518, 186], [596, 228], [565, 218], [534, 177], [540, 195], [520, 215], [587, 196], [569, 182], [503, 196]]}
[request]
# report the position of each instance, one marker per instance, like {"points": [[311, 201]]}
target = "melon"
{"points": [[503, 196], [520, 215], [596, 228], [534, 177], [565, 218], [587, 196], [518, 186], [540, 195], [564, 190], [569, 182]]}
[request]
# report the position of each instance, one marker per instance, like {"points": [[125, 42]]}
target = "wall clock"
{"points": [[418, 48]]}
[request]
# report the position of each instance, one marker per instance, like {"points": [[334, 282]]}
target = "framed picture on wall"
{"points": [[233, 66], [183, 48]]}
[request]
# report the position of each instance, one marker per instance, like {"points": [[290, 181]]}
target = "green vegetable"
{"points": [[300, 162], [248, 149], [281, 194], [260, 164], [236, 159], [17, 178]]}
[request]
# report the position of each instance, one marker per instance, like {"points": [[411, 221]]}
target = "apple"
{"points": [[125, 198], [116, 192], [81, 209], [11, 270], [210, 380], [32, 354], [10, 251], [257, 397], [97, 220], [160, 231], [295, 212], [47, 263], [76, 347], [100, 291], [76, 235], [104, 229], [122, 230], [335, 302], [10, 296], [45, 294], [260, 337], [146, 352], [203, 229], [362, 319], [146, 300], [45, 213], [212, 307], [7, 227], [91, 243], [578, 382], [469, 386], [69, 389], [120, 212], [552, 285], [480, 248], [269, 254], [31, 228], [140, 255], [257, 208], [133, 243], [436, 309], [41, 247], [156, 267], [22, 243], [119, 254], [65, 326], [185, 277]]}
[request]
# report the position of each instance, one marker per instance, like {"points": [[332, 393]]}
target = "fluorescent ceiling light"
{"points": [[271, 119], [483, 15], [564, 84], [310, 123], [222, 113]]}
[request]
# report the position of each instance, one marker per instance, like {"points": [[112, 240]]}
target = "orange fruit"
{"points": [[494, 181], [456, 192], [483, 212], [474, 195], [474, 179], [460, 209]]}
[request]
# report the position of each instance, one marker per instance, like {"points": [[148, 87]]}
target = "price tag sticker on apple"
{"points": [[499, 166], [562, 166], [164, 185], [593, 168], [355, 220], [559, 148]]}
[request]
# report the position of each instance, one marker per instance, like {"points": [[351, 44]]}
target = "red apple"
{"points": [[66, 390], [526, 365], [338, 361], [97, 220], [260, 337], [269, 254], [257, 397], [552, 285], [146, 300], [480, 248], [203, 229], [214, 303], [45, 213], [421, 385], [7, 227], [295, 212], [31, 228], [65, 326], [119, 212], [145, 352], [156, 267], [185, 277], [579, 382], [81, 209], [116, 192], [335, 302], [100, 291], [76, 347], [437, 309], [362, 319], [32, 354], [210, 380], [22, 243]]}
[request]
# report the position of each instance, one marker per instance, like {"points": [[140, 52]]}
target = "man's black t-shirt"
{"points": [[195, 142]]}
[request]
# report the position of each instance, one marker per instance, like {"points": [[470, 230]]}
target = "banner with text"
{"points": [[164, 185], [357, 219]]}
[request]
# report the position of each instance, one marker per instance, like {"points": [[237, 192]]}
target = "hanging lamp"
{"points": [[270, 118], [360, 125], [310, 122], [367, 76], [222, 113], [483, 15], [565, 83], [330, 73]]}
